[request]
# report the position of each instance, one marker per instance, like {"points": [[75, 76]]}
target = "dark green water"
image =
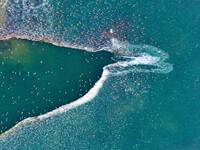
{"points": [[36, 78]]}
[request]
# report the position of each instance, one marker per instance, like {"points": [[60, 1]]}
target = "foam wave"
{"points": [[85, 99], [128, 56], [119, 68]]}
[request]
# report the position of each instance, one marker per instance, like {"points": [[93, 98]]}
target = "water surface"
{"points": [[144, 103]]}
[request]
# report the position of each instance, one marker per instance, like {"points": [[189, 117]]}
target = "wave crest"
{"points": [[138, 58], [31, 21]]}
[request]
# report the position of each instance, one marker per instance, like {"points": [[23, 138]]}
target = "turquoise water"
{"points": [[149, 99]]}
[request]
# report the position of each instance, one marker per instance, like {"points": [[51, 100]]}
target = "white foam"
{"points": [[143, 58], [116, 44]]}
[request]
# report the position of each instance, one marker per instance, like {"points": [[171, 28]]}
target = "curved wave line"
{"points": [[107, 71]]}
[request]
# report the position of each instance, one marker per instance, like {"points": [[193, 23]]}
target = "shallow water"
{"points": [[150, 97]]}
